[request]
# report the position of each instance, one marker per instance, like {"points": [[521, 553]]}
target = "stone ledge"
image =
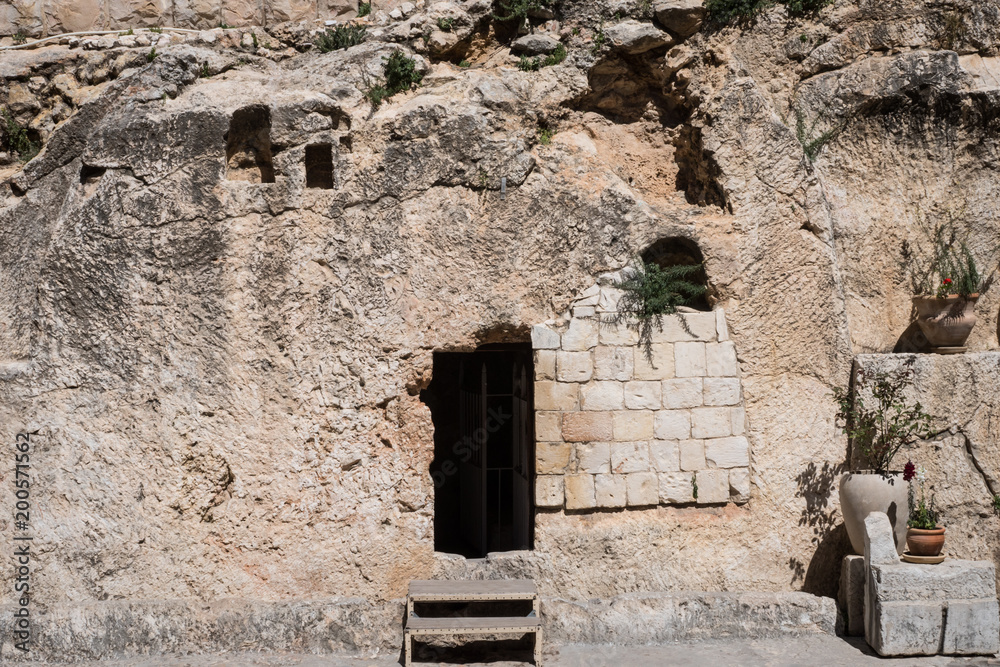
{"points": [[353, 626], [653, 618]]}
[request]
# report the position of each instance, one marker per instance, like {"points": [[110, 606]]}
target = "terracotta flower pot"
{"points": [[862, 493], [946, 322], [920, 542]]}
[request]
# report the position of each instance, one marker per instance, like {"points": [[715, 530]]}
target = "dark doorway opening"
{"points": [[484, 455], [319, 166], [248, 145]]}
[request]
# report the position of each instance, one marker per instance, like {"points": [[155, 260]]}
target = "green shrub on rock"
{"points": [[400, 74], [340, 37]]}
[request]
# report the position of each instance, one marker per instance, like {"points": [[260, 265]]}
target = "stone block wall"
{"points": [[616, 429]]}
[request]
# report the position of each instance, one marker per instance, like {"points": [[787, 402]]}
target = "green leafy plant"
{"points": [[803, 7], [812, 143], [650, 291], [127, 32], [20, 37], [645, 8], [951, 267], [156, 29], [996, 504], [204, 72], [545, 136], [882, 425], [253, 36], [743, 11], [694, 486], [953, 31], [400, 74], [16, 139], [446, 23], [224, 25], [364, 9], [526, 64], [922, 512], [731, 11], [511, 10], [557, 56], [599, 39], [340, 37], [151, 56], [465, 63]]}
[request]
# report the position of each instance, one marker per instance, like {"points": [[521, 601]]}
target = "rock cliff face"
{"points": [[222, 366]]}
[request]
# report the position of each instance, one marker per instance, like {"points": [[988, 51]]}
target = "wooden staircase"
{"points": [[472, 591]]}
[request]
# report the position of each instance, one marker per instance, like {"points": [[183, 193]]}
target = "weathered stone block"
{"points": [[672, 425], [905, 628], [593, 457], [549, 491], [676, 487], [642, 395], [581, 335], [556, 396], [739, 485], [711, 422], [584, 311], [695, 326], [610, 490], [617, 334], [580, 492], [548, 426], [720, 360], [544, 338], [629, 457], [545, 364], [692, 454], [738, 420], [722, 391], [613, 363], [662, 367], [587, 427], [972, 627], [643, 489], [721, 330], [851, 595], [953, 579], [682, 17], [713, 486], [682, 393], [689, 359], [602, 396], [664, 455], [551, 457], [632, 425], [574, 366], [731, 452]]}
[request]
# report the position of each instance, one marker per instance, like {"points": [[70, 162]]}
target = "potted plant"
{"points": [[924, 537], [947, 317], [879, 422]]}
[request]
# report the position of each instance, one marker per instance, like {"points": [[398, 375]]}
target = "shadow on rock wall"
{"points": [[816, 484]]}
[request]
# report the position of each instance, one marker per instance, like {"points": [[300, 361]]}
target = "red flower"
{"points": [[946, 281], [909, 471]]}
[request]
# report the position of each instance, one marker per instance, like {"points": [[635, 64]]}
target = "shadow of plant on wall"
{"points": [[815, 485]]}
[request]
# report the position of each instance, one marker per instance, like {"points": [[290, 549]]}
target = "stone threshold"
{"points": [[353, 626]]}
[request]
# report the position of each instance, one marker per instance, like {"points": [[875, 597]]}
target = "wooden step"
{"points": [[459, 591], [471, 624]]}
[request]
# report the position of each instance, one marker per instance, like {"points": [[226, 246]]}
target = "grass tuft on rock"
{"points": [[399, 74], [340, 37]]}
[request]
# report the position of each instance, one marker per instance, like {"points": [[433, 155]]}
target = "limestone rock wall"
{"points": [[223, 372], [40, 18]]}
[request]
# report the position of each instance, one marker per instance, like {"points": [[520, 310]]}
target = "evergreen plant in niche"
{"points": [[650, 291]]}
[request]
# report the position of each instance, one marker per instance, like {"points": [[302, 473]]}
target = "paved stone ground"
{"points": [[806, 651]]}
